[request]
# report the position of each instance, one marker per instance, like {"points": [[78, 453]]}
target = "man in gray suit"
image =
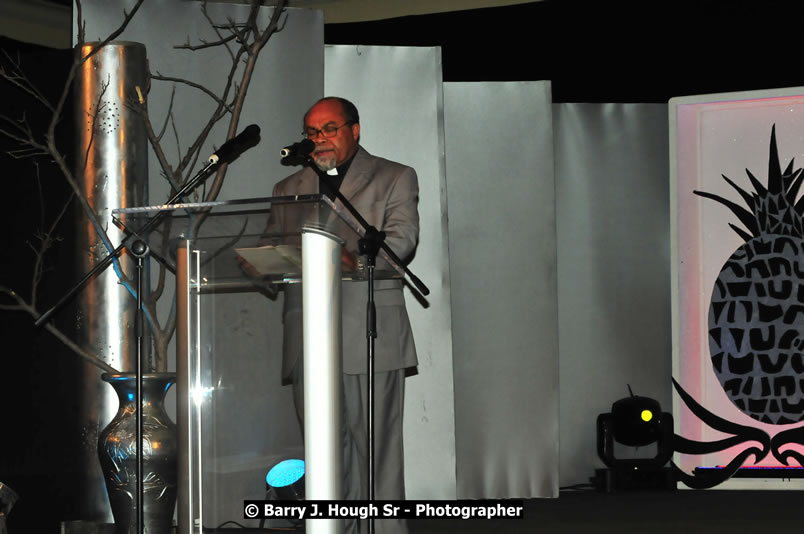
{"points": [[386, 194]]}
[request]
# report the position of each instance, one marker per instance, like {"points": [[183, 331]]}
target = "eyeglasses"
{"points": [[326, 131]]}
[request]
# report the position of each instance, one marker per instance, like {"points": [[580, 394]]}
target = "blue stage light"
{"points": [[285, 473]]}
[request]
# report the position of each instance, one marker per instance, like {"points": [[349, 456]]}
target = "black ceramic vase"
{"points": [[117, 449]]}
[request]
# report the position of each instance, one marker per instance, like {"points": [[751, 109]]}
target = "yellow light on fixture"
{"points": [[646, 415]]}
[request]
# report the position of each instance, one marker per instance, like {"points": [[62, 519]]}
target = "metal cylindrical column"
{"points": [[111, 163], [323, 375], [185, 487]]}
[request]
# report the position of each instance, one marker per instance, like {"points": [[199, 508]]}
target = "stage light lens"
{"points": [[646, 415], [285, 473]]}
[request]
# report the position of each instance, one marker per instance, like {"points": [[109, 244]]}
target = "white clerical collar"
{"points": [[333, 172]]}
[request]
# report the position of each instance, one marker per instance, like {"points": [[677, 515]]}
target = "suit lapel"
{"points": [[308, 183], [358, 175], [356, 178]]}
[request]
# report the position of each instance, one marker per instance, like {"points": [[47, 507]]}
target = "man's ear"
{"points": [[356, 131]]}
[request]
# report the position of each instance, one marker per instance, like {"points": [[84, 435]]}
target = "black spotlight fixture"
{"points": [[635, 422], [285, 482]]}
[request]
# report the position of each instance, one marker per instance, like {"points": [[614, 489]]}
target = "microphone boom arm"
{"points": [[107, 260], [228, 152], [370, 232]]}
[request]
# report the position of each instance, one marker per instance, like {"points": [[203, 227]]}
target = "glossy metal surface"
{"points": [[323, 382], [111, 166], [185, 513], [117, 450]]}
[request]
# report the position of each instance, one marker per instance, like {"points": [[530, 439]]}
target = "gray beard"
{"points": [[325, 163]]}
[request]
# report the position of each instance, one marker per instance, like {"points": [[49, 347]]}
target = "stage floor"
{"points": [[645, 512], [634, 512], [628, 512]]}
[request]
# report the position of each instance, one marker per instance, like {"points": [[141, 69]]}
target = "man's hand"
{"points": [[349, 261], [247, 268], [269, 289]]}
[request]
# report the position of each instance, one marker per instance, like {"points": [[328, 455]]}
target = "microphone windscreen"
{"points": [[306, 146], [235, 146]]}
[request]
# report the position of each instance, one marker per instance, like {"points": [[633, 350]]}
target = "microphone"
{"points": [[235, 146], [297, 150]]}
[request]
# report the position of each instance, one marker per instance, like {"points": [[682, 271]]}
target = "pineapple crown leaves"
{"points": [[772, 210]]}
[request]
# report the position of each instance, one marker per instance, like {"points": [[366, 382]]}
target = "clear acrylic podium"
{"points": [[285, 240]]}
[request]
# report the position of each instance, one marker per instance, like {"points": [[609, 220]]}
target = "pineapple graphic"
{"points": [[756, 316]]}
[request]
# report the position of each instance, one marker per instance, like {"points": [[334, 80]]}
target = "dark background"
{"points": [[38, 422], [608, 51]]}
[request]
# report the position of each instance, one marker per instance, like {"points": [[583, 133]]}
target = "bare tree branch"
{"points": [[250, 40], [236, 29], [23, 135], [245, 80], [216, 30], [173, 176], [198, 86], [21, 305], [217, 115], [169, 115], [82, 25], [175, 136], [206, 44], [156, 292], [112, 36], [24, 153], [18, 78], [46, 238], [99, 105]]}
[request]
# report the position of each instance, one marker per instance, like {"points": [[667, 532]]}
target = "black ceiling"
{"points": [[608, 51], [613, 51]]}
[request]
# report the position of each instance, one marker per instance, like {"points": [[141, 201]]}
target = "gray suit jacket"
{"points": [[386, 194]]}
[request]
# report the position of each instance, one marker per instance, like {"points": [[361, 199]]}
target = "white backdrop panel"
{"points": [[398, 92], [613, 258], [499, 142], [248, 325]]}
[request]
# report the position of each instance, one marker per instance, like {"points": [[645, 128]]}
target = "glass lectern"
{"points": [[255, 245]]}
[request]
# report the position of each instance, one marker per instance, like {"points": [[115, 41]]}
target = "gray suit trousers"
{"points": [[389, 469]]}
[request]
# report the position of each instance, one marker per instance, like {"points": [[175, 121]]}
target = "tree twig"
{"points": [[216, 29], [169, 115], [46, 238], [261, 39], [171, 175], [206, 44], [82, 25], [94, 122], [115, 34], [198, 86], [18, 78], [21, 305], [250, 39]]}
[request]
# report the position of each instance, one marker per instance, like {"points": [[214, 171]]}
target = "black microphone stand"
{"points": [[140, 250], [104, 263], [226, 154], [369, 246], [370, 243]]}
